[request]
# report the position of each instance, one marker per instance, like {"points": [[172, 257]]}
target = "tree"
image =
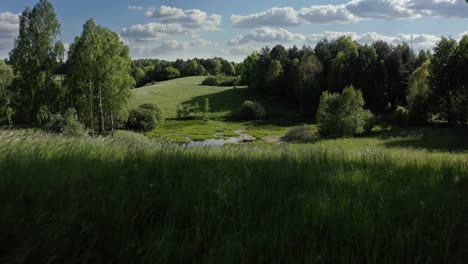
{"points": [[418, 93], [228, 69], [99, 76], [448, 81], [6, 78], [249, 71], [139, 76], [343, 114], [171, 73], [308, 90], [35, 57]]}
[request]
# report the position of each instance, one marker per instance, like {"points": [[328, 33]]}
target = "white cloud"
{"points": [[9, 28], [166, 47], [152, 31], [326, 14], [441, 8], [381, 9], [267, 35], [192, 18], [352, 11], [136, 8], [463, 34], [281, 17]]}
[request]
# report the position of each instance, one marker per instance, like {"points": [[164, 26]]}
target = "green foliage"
{"points": [[400, 116], [301, 134], [66, 124], [73, 127], [35, 58], [222, 80], [6, 78], [228, 69], [183, 110], [206, 105], [343, 114], [99, 77], [418, 93], [171, 73], [252, 111], [449, 82], [145, 118], [43, 115]]}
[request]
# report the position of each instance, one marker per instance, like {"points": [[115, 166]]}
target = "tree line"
{"points": [[426, 84], [145, 71]]}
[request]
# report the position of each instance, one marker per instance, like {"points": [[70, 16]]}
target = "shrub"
{"points": [[400, 116], [145, 117], [67, 124], [56, 123], [252, 111], [183, 110], [43, 115], [343, 114], [301, 134], [222, 80], [206, 105], [72, 126]]}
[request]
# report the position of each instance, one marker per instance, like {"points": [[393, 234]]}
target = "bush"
{"points": [[400, 116], [222, 80], [72, 126], [252, 111], [301, 134], [183, 110], [43, 115], [343, 114], [145, 118], [67, 124]]}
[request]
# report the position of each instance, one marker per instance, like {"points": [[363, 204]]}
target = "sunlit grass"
{"points": [[128, 199]]}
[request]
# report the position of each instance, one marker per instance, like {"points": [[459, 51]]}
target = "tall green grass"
{"points": [[130, 200]]}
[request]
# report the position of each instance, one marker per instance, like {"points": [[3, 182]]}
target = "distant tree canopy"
{"points": [[148, 70]]}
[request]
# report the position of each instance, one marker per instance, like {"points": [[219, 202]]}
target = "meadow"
{"points": [[395, 195]]}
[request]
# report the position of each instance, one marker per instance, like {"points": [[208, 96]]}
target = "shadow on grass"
{"points": [[452, 140], [279, 111]]}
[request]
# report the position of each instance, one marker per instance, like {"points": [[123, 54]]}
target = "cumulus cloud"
{"points": [[169, 47], [9, 27], [381, 9], [192, 18], [282, 17], [267, 35], [326, 14], [353, 10], [152, 31]]}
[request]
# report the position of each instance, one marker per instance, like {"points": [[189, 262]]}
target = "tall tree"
{"points": [[418, 93], [6, 78], [99, 76], [35, 57]]}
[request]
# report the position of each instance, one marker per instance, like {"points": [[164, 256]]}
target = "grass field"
{"points": [[223, 100], [395, 197]]}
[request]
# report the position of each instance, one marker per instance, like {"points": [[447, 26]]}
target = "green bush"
{"points": [[400, 116], [252, 111], [145, 118], [72, 126], [43, 115], [222, 80], [67, 124], [343, 114], [301, 134]]}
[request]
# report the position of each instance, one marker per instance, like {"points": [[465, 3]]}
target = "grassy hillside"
{"points": [[130, 200], [169, 94]]}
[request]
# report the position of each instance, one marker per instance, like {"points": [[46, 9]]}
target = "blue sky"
{"points": [[173, 29]]}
